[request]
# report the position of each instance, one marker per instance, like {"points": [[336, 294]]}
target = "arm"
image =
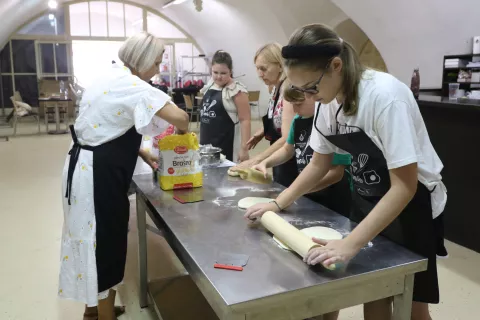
{"points": [[313, 172], [403, 187], [287, 117], [334, 175], [280, 156], [244, 116], [174, 115]]}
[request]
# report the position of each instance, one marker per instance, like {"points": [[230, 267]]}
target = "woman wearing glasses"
{"points": [[276, 123], [398, 189]]}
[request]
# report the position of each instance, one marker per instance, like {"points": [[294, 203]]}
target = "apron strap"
{"points": [[74, 154]]}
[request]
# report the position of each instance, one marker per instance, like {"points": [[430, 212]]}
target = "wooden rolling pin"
{"points": [[288, 234]]}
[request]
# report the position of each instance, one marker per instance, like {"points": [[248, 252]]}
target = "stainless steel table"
{"points": [[276, 284]]}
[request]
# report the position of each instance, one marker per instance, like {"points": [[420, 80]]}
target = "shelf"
{"points": [[460, 82], [459, 68], [461, 56]]}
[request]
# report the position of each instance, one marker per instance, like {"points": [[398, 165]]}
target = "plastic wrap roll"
{"points": [[288, 234]]}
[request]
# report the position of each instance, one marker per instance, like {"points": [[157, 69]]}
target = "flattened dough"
{"points": [[314, 232], [247, 202], [233, 173]]}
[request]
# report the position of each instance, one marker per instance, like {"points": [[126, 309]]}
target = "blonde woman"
{"points": [[115, 111], [276, 123], [398, 189]]}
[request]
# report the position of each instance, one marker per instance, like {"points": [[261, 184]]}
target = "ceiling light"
{"points": [[172, 2], [52, 4]]}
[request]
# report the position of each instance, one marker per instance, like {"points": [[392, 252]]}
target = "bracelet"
{"points": [[276, 203]]}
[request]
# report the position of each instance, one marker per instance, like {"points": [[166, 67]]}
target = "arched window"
{"points": [[77, 40]]}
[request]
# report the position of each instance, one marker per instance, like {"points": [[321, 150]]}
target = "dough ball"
{"points": [[247, 202]]}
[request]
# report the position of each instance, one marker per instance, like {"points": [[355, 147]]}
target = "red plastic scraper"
{"points": [[231, 261]]}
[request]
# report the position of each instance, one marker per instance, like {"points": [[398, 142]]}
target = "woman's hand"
{"points": [[262, 167], [332, 252], [243, 155], [245, 164], [150, 159], [257, 137], [180, 131], [257, 211]]}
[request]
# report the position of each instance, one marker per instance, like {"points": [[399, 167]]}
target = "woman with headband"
{"points": [[398, 189], [276, 123]]}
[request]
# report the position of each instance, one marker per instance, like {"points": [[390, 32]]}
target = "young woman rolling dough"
{"points": [[397, 183]]}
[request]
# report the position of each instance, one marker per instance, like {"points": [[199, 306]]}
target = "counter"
{"points": [[275, 284], [453, 127]]}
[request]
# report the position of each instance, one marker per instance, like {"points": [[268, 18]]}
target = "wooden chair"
{"points": [[191, 110], [253, 98], [22, 110]]}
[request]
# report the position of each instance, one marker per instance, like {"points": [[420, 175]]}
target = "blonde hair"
{"points": [[140, 51], [292, 95], [313, 47], [272, 53]]}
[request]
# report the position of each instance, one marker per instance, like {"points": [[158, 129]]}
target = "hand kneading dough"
{"points": [[247, 202], [315, 232], [233, 173]]}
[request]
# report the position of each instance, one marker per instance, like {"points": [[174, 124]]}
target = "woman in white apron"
{"points": [[398, 189], [225, 115], [115, 111]]}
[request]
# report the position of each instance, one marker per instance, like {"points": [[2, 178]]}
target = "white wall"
{"points": [[408, 33], [411, 33]]}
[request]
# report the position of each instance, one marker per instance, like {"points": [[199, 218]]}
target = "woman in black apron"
{"points": [[396, 172], [114, 113], [223, 100], [276, 123]]}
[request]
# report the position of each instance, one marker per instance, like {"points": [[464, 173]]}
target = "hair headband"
{"points": [[309, 51]]}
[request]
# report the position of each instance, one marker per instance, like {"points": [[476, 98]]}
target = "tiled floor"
{"points": [[31, 222]]}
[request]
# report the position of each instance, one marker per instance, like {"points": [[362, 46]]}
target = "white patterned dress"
{"points": [[116, 105]]}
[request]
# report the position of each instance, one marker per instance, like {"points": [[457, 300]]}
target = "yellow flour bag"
{"points": [[178, 162]]}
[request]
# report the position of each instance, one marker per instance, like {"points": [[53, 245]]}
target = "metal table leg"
{"points": [[142, 250], [402, 304]]}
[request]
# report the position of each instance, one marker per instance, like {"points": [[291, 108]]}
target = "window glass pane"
{"points": [[61, 57], [92, 58], [24, 56], [28, 88], [116, 26], [48, 24], [98, 18], [7, 88], [79, 21], [6, 65], [161, 28], [46, 58], [133, 19]]}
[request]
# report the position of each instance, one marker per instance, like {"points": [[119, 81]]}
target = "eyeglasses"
{"points": [[313, 89]]}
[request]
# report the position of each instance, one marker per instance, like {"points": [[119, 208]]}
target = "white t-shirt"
{"points": [[389, 115], [114, 103]]}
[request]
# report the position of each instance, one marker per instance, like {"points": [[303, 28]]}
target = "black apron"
{"points": [[413, 228], [336, 197], [285, 173], [217, 127], [113, 166]]}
